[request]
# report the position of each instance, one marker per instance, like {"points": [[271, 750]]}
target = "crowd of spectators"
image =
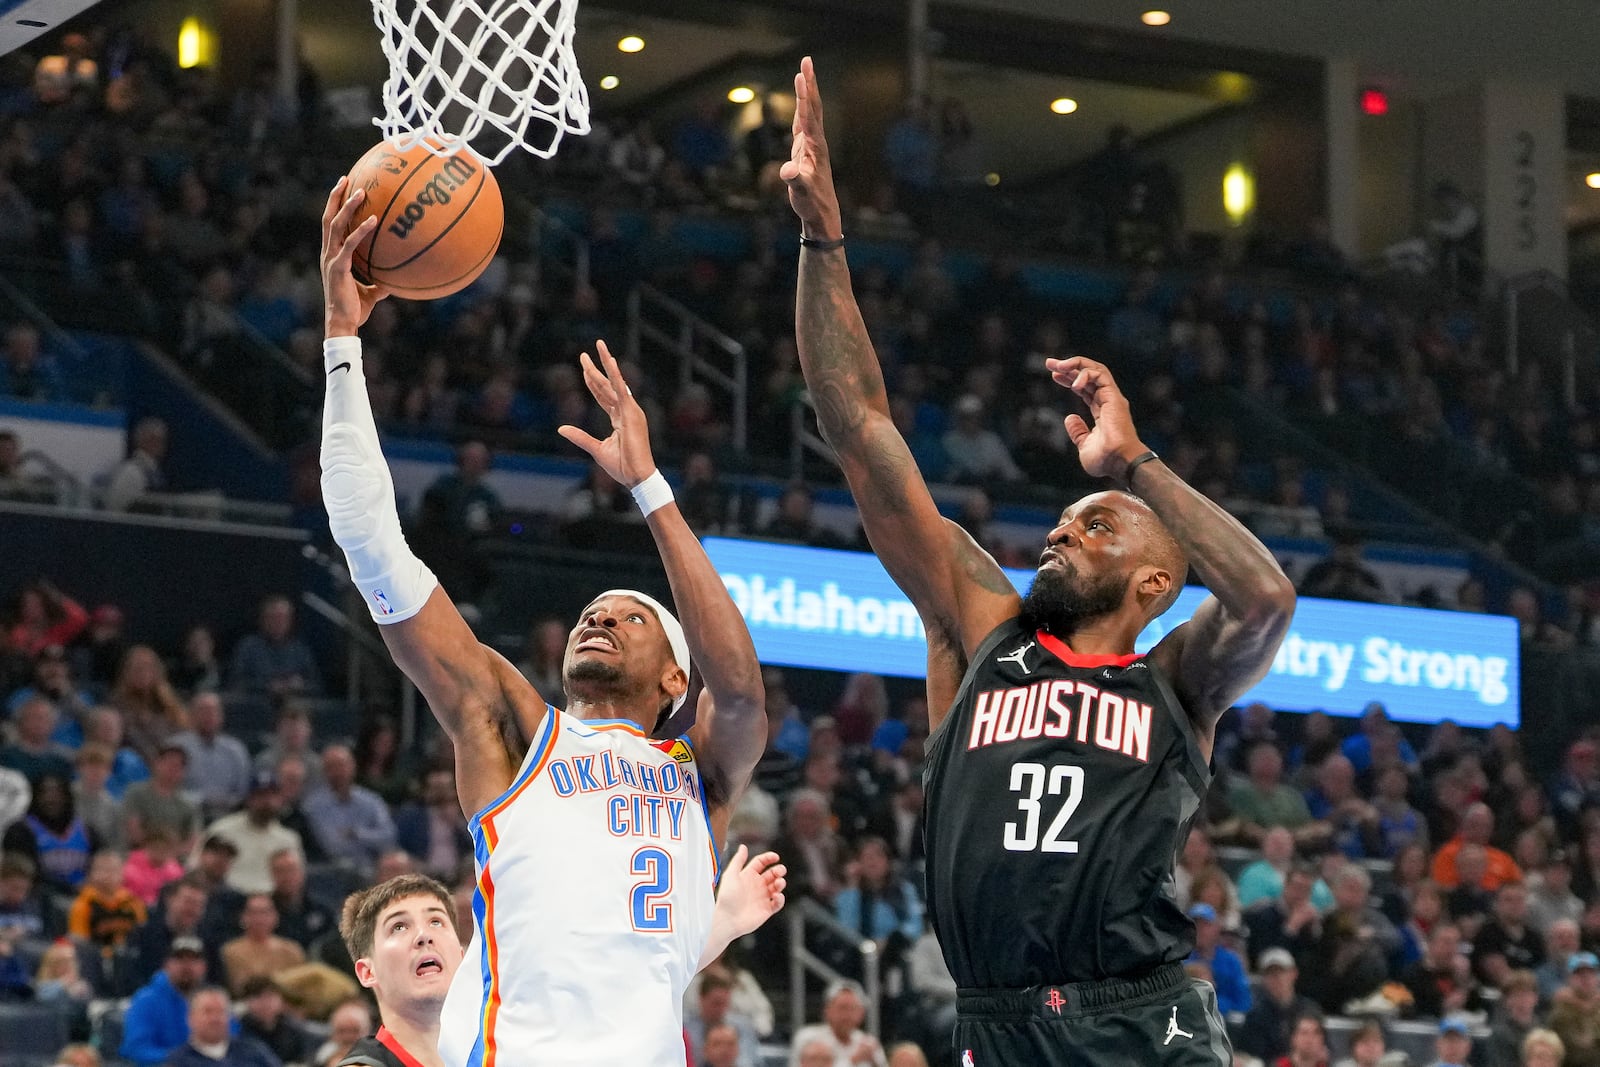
{"points": [[154, 847]]}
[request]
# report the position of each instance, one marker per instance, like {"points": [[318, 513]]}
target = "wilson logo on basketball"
{"points": [[453, 174]]}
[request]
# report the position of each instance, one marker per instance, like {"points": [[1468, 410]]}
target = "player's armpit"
{"points": [[1216, 657], [458, 678]]}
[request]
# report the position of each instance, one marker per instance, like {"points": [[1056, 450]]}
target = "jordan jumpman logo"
{"points": [[1174, 1030]]}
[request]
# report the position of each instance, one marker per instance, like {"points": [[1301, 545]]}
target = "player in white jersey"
{"points": [[595, 846]]}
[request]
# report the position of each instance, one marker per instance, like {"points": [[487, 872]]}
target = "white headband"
{"points": [[673, 629]]}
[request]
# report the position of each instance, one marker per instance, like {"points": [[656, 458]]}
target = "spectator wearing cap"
{"points": [[161, 800], [274, 661], [977, 454], [259, 950], [844, 1009], [1575, 1011], [1577, 788], [219, 764], [156, 1023], [1562, 940], [32, 753], [1453, 1046], [212, 1039], [52, 679], [351, 822], [1227, 970], [1514, 1019], [256, 834], [1550, 895], [1477, 827], [1269, 1023]]}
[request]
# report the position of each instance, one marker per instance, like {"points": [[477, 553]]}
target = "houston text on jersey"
{"points": [[1063, 708]]}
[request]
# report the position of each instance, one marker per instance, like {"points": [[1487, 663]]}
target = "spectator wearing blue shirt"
{"points": [[1352, 822], [1375, 726], [1263, 879], [350, 822], [156, 1023], [878, 903], [1227, 969], [26, 371], [52, 679], [127, 766], [274, 661]]}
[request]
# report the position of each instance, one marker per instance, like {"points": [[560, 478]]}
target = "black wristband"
{"points": [[821, 246], [1134, 464]]}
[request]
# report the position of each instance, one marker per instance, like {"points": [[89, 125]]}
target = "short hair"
{"points": [[1311, 1015], [210, 990], [257, 984], [1548, 1038], [844, 985], [710, 983], [1370, 1026], [358, 920], [1519, 981], [93, 752], [191, 880], [1163, 551]]}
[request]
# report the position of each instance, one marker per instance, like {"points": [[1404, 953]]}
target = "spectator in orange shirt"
{"points": [[1477, 826], [105, 912]]}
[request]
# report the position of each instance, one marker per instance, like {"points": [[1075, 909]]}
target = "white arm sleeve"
{"points": [[359, 494]]}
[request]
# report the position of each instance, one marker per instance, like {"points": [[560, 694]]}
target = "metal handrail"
{"points": [[804, 440], [803, 961], [684, 339], [69, 488]]}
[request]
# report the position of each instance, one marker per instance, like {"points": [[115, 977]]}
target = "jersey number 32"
{"points": [[1033, 781]]}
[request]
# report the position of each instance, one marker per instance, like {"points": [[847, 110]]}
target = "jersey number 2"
{"points": [[651, 914], [1033, 780]]}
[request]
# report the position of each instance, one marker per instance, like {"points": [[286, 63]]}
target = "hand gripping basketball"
{"points": [[347, 302], [625, 455], [1105, 448], [809, 174]]}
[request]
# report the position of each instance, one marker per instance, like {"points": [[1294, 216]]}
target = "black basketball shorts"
{"points": [[1165, 1019]]}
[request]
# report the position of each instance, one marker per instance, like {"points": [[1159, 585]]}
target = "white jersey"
{"points": [[595, 878]]}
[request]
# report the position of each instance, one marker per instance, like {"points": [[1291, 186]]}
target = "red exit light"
{"points": [[1374, 102]]}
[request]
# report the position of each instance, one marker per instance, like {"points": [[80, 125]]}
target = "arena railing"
{"points": [[805, 914]]}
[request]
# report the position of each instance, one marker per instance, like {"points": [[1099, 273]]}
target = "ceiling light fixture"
{"points": [[631, 44], [1593, 180], [1156, 18], [610, 81], [741, 94], [1064, 105]]}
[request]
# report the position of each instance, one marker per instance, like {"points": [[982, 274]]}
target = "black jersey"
{"points": [[380, 1050], [1060, 790]]}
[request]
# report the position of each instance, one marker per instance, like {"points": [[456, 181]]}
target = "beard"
{"points": [[594, 672], [1060, 599]]}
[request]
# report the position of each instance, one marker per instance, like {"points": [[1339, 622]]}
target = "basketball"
{"points": [[439, 220]]}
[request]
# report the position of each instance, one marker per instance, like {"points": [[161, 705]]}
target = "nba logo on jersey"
{"points": [[966, 1059], [382, 601]]}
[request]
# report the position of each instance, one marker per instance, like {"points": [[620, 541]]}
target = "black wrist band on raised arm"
{"points": [[1134, 464], [821, 246]]}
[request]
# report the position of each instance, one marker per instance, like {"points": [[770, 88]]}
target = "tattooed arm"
{"points": [[957, 587], [1230, 642]]}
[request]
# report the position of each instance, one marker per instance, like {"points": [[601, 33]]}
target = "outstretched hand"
{"points": [[1106, 447], [752, 892], [625, 455], [809, 174], [347, 301]]}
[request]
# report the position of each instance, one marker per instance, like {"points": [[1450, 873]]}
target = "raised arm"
{"points": [[957, 587], [731, 725], [750, 893], [425, 633], [1229, 643]]}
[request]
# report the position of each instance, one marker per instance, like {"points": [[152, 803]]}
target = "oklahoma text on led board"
{"points": [[819, 608]]}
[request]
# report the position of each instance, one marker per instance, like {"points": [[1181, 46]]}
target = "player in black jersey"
{"points": [[402, 935], [1063, 770]]}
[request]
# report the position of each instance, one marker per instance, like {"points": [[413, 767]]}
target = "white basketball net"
{"points": [[499, 70]]}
